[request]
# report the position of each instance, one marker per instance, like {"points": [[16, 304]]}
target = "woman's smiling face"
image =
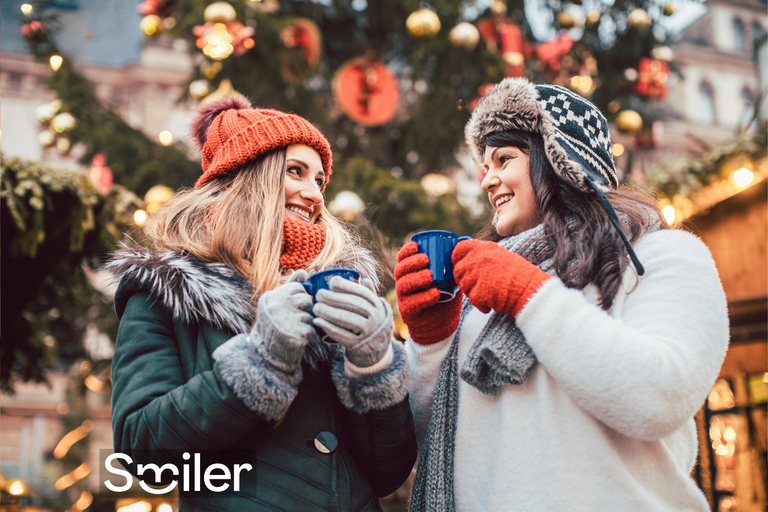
{"points": [[304, 178], [507, 180]]}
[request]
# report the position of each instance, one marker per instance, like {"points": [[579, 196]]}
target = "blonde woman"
{"points": [[217, 352]]}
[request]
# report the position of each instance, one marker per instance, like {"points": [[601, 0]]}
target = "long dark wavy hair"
{"points": [[583, 244]]}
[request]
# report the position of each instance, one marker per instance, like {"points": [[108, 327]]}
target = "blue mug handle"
{"points": [[462, 238], [308, 287]]}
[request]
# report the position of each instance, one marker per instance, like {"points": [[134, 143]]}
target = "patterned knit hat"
{"points": [[576, 137], [230, 134], [575, 133]]}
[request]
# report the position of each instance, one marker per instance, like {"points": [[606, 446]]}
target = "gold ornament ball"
{"points": [[464, 35], [638, 18], [670, 9], [220, 12], [46, 138], [566, 20], [62, 146], [63, 122], [499, 7], [663, 53], [629, 121], [45, 112], [592, 19], [156, 197], [423, 23], [199, 89], [151, 25]]}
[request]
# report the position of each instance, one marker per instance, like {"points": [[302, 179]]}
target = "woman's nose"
{"points": [[490, 181], [311, 192]]}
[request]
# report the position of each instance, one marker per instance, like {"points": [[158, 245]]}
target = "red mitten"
{"points": [[494, 278], [428, 321]]}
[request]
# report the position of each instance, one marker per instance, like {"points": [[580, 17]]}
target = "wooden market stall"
{"points": [[732, 424]]}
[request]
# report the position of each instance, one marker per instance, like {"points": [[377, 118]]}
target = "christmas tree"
{"points": [[392, 84]]}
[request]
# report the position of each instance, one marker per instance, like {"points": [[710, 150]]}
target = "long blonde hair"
{"points": [[238, 220]]}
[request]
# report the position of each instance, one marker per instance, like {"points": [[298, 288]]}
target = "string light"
{"points": [[217, 43], [139, 217], [94, 384], [139, 506], [669, 213], [56, 61], [164, 507], [27, 9], [85, 500], [743, 177], [618, 149], [71, 438], [16, 488], [166, 138], [77, 474]]}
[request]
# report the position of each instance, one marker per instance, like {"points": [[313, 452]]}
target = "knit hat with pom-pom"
{"points": [[230, 134]]}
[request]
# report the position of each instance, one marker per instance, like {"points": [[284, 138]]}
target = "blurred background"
{"points": [[97, 97]]}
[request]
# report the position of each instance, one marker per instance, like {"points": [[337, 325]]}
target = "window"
{"points": [[738, 35], [757, 30], [747, 105], [706, 107]]}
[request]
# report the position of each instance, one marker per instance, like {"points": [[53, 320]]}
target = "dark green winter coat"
{"points": [[185, 381]]}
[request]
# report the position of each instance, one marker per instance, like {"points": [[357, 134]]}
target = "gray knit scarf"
{"points": [[499, 356]]}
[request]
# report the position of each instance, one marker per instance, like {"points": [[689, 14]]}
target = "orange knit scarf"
{"points": [[302, 242]]}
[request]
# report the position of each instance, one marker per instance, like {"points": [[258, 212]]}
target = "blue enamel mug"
{"points": [[438, 245], [320, 281]]}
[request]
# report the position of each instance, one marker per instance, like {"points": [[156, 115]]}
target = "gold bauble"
{"points": [[670, 9], [464, 35], [151, 24], [638, 18], [62, 146], [225, 90], [220, 12], [46, 138], [629, 121], [156, 196], [592, 19], [45, 112], [566, 20], [199, 89], [63, 122], [423, 23], [663, 53], [499, 7]]}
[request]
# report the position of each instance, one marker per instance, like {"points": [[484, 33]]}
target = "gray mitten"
{"points": [[284, 323], [352, 315]]}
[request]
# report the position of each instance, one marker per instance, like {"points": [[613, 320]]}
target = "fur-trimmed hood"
{"points": [[195, 291], [576, 137]]}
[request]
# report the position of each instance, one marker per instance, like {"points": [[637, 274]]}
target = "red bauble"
{"points": [[366, 91]]}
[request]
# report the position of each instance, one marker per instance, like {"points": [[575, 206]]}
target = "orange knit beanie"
{"points": [[230, 134]]}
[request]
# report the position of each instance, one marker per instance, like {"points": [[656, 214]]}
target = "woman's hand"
{"points": [[428, 321], [284, 323], [494, 278], [354, 316]]}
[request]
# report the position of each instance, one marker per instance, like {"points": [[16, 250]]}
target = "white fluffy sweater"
{"points": [[604, 421]]}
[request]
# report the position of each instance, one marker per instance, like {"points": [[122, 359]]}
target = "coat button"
{"points": [[326, 442]]}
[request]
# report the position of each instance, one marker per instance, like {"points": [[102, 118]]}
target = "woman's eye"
{"points": [[319, 182], [294, 170]]}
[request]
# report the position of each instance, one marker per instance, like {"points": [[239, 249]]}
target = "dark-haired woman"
{"points": [[567, 372], [217, 354]]}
